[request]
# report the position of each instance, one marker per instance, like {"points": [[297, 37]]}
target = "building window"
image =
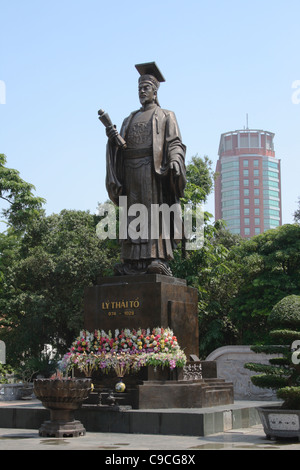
{"points": [[246, 221], [233, 193], [257, 230], [234, 203], [229, 165], [271, 174], [244, 140], [246, 202], [233, 222], [246, 192], [228, 184], [255, 172], [256, 191], [268, 164], [256, 211], [274, 184], [271, 223], [271, 193], [271, 203], [256, 202], [246, 172], [246, 182], [254, 140], [255, 162], [247, 231], [245, 163], [230, 213], [256, 182], [274, 212], [246, 211], [257, 220], [230, 174]]}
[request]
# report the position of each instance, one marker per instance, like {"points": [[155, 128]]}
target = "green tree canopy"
{"points": [[42, 299], [268, 266], [209, 268], [297, 213], [21, 206]]}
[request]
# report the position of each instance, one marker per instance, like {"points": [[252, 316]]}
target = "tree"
{"points": [[21, 204], [200, 176], [42, 299], [297, 213], [208, 268], [268, 266], [282, 373]]}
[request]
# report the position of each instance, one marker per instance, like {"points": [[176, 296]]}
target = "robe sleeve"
{"points": [[113, 173], [175, 152]]}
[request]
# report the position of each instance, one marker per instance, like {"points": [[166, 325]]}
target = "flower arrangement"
{"points": [[157, 340], [125, 351]]}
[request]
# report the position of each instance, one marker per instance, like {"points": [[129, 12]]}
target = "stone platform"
{"points": [[181, 422]]}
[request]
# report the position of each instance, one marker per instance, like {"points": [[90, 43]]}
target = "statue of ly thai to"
{"points": [[146, 163]]}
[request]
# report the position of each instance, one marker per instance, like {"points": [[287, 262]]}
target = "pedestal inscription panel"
{"points": [[147, 301]]}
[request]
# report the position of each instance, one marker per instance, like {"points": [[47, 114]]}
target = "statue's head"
{"points": [[149, 81], [147, 90]]}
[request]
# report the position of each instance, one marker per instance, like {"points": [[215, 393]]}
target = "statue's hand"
{"points": [[175, 168], [111, 132]]}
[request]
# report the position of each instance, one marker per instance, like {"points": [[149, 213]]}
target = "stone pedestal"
{"points": [[150, 301], [145, 301]]}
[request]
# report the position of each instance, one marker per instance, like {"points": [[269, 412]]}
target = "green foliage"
{"points": [[199, 177], [282, 374], [270, 349], [297, 213], [267, 381], [46, 262], [6, 370], [42, 365], [23, 206], [286, 312], [208, 269], [284, 336], [268, 267], [42, 297], [291, 397]]}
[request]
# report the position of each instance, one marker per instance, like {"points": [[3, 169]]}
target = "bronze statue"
{"points": [[146, 163]]}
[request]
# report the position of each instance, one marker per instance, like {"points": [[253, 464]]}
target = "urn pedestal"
{"points": [[62, 397]]}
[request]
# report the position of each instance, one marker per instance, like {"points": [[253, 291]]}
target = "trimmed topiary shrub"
{"points": [[282, 373], [286, 313]]}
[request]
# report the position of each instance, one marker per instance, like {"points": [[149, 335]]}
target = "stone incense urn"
{"points": [[62, 397]]}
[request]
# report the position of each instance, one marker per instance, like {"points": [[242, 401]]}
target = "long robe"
{"points": [[142, 173]]}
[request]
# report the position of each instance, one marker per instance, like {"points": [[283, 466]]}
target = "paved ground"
{"points": [[251, 438], [239, 439]]}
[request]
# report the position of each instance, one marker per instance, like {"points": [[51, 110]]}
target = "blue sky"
{"points": [[63, 60]]}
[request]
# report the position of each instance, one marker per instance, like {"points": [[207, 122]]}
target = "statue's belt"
{"points": [[137, 153]]}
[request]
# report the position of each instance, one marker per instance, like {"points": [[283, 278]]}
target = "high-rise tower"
{"points": [[248, 188]]}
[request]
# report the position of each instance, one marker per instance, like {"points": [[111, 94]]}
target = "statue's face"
{"points": [[147, 93]]}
